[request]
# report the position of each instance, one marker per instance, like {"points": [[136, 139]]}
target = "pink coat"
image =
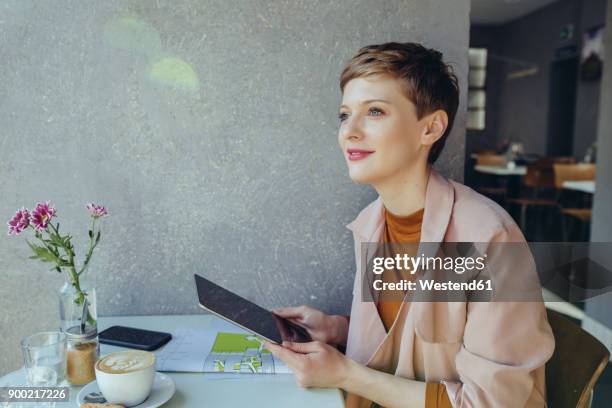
{"points": [[488, 354]]}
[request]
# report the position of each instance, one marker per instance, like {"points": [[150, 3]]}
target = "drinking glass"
{"points": [[44, 357]]}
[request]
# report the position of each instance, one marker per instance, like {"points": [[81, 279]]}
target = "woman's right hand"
{"points": [[320, 326]]}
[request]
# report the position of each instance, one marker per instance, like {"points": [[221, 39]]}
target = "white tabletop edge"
{"points": [[501, 170], [586, 186]]}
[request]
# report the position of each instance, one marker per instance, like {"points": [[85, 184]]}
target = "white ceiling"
{"points": [[502, 11]]}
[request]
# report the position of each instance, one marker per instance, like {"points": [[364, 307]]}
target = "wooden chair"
{"points": [[490, 160], [576, 364], [573, 172], [539, 177]]}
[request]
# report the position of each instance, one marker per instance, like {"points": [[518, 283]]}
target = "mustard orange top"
{"points": [[398, 230], [406, 230]]}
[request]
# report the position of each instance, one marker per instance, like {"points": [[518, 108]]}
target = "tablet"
{"points": [[246, 314]]}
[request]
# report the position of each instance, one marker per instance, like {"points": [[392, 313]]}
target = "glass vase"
{"points": [[77, 302]]}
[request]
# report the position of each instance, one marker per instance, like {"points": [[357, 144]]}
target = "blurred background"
{"points": [[539, 137]]}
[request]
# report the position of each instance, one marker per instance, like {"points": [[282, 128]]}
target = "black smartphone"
{"points": [[134, 338]]}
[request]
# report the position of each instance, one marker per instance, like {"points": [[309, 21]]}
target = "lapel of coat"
{"points": [[435, 321], [368, 227], [367, 332]]}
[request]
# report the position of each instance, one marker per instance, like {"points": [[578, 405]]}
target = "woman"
{"points": [[398, 106]]}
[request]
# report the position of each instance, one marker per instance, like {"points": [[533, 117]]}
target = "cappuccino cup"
{"points": [[126, 377]]}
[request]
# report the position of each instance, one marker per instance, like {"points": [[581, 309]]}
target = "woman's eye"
{"points": [[342, 116], [376, 112]]}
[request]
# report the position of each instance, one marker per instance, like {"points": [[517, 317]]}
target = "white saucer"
{"points": [[163, 390]]}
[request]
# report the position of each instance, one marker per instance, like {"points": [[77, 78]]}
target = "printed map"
{"points": [[241, 353]]}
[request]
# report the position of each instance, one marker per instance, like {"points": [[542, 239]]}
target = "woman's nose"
{"points": [[351, 129]]}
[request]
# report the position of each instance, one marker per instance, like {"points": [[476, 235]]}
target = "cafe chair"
{"points": [[573, 172], [576, 364], [540, 179], [491, 189]]}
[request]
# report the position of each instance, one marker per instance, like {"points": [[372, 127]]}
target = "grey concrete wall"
{"points": [[208, 129]]}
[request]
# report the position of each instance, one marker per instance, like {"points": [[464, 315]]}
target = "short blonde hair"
{"points": [[426, 79]]}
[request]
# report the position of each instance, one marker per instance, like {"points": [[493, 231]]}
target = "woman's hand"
{"points": [[314, 364], [321, 327]]}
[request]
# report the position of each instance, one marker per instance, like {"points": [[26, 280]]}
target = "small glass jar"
{"points": [[82, 352]]}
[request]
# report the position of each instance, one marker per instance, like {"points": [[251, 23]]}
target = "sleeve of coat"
{"points": [[506, 344]]}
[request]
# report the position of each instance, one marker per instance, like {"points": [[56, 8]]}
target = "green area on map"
{"points": [[236, 343]]}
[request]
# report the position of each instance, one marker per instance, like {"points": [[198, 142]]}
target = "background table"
{"points": [[193, 390], [586, 186], [501, 170], [505, 179]]}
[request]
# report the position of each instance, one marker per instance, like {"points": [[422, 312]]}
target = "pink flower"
{"points": [[19, 222], [42, 215], [97, 211]]}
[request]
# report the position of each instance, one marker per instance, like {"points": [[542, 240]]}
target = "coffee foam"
{"points": [[125, 362]]}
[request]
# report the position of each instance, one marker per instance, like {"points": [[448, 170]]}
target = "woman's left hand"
{"points": [[315, 364]]}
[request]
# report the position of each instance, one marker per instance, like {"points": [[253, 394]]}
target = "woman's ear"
{"points": [[435, 126]]}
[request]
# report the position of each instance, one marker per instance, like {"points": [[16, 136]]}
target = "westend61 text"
{"points": [[406, 285]]}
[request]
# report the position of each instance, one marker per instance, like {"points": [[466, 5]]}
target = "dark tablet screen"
{"points": [[247, 314]]}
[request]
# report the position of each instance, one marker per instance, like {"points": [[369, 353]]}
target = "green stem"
{"points": [[70, 253], [74, 275], [92, 245]]}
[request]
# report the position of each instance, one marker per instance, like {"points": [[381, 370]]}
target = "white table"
{"points": [[586, 186], [501, 170], [192, 390]]}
